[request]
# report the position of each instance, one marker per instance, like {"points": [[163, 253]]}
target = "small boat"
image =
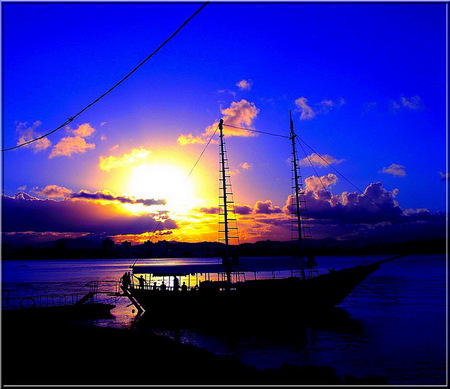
{"points": [[244, 285]]}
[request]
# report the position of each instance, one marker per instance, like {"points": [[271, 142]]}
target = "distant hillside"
{"points": [[105, 248]]}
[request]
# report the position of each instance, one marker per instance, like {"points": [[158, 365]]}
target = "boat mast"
{"points": [[296, 187], [226, 229], [226, 257]]}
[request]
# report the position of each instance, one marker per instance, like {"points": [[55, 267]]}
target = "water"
{"points": [[394, 322]]}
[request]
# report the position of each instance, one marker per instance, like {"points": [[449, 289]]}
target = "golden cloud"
{"points": [[71, 145], [53, 191], [112, 161], [75, 144], [239, 114]]}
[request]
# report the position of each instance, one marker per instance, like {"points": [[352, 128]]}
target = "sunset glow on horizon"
{"points": [[366, 85]]}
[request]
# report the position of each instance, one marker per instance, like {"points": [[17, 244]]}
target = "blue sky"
{"points": [[366, 83]]}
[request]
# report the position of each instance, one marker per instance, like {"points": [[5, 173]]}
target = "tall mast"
{"points": [[296, 186], [226, 257]]}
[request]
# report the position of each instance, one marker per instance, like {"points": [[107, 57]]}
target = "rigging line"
{"points": [[203, 151], [114, 86], [337, 171], [328, 192], [315, 171], [261, 132]]}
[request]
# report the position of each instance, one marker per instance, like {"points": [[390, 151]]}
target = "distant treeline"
{"points": [[83, 248]]}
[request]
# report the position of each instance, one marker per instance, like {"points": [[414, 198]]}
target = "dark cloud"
{"points": [[375, 205], [374, 213], [109, 197], [27, 213], [243, 209], [266, 207], [210, 210]]}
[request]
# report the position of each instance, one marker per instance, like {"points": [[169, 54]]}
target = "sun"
{"points": [[160, 181]]}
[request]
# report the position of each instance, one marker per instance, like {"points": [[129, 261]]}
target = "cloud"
{"points": [[75, 144], [25, 213], [106, 196], [84, 130], [394, 169], [190, 139], [53, 191], [307, 113], [322, 107], [245, 84], [246, 166], [112, 161], [316, 184], [412, 103], [325, 106], [210, 210], [27, 133], [444, 176], [321, 161], [266, 207], [243, 209], [375, 204], [374, 214], [260, 207], [231, 92], [239, 114], [69, 146]]}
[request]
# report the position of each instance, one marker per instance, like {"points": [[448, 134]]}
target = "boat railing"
{"points": [[86, 293], [40, 301], [158, 288]]}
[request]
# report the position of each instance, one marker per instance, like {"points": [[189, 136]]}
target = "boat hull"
{"points": [[324, 291]]}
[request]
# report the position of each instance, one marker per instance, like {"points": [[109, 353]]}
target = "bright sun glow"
{"points": [[162, 182]]}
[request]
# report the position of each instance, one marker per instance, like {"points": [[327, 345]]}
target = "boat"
{"points": [[243, 285]]}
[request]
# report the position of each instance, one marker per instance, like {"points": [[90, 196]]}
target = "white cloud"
{"points": [[412, 103], [245, 84], [307, 113], [321, 161], [27, 133], [394, 169]]}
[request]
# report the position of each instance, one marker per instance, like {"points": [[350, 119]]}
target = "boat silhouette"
{"points": [[272, 285]]}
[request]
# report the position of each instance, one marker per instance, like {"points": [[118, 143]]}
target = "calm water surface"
{"points": [[393, 324]]}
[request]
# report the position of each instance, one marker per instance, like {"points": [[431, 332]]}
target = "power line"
{"points": [[260, 132], [69, 120]]}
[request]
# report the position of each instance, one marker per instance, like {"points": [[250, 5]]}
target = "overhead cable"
{"points": [[69, 120]]}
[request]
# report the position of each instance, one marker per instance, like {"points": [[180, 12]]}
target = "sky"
{"points": [[366, 84]]}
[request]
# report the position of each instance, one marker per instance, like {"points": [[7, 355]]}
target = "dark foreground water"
{"points": [[394, 324]]}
